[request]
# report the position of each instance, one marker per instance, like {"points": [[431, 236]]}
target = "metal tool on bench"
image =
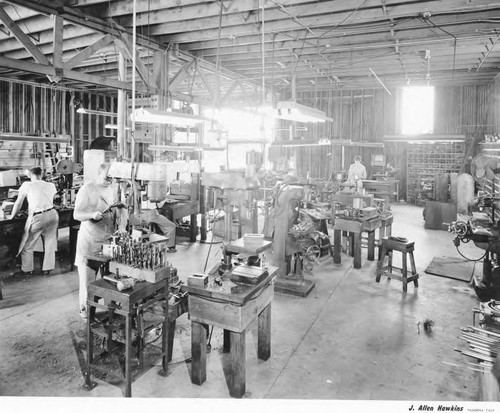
{"points": [[121, 283]]}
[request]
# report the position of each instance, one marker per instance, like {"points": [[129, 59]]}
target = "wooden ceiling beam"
{"points": [[46, 37], [295, 38], [80, 57], [77, 17], [320, 17], [124, 44], [181, 75], [68, 74], [23, 38]]}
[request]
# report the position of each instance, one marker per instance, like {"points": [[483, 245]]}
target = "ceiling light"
{"points": [[183, 148], [291, 110], [95, 112], [114, 126], [168, 118], [302, 142]]}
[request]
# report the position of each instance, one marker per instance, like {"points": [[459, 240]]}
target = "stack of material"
{"points": [[484, 345]]}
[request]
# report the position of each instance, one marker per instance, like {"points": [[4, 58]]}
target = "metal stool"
{"points": [[390, 244]]}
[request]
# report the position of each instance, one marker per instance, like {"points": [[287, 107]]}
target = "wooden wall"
{"points": [[365, 116], [30, 109]]}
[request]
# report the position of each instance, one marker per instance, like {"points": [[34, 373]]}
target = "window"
{"points": [[417, 110]]}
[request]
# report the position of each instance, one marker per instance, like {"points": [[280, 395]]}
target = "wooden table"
{"points": [[231, 307], [127, 303], [355, 227]]}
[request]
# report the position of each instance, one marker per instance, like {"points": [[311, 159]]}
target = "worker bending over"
{"points": [[42, 221]]}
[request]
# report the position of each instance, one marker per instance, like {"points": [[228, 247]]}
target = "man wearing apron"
{"points": [[42, 221], [94, 208]]}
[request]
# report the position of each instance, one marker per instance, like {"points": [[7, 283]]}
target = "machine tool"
{"points": [[289, 241], [487, 238], [235, 190]]}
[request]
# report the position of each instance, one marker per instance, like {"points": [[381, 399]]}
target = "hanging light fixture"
{"points": [[291, 110], [143, 115], [114, 126], [95, 112], [302, 142]]}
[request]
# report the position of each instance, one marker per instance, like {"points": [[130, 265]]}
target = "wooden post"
{"points": [[237, 379], [121, 119], [264, 334], [198, 353]]}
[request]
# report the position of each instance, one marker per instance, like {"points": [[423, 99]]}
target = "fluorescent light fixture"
{"points": [[302, 142], [167, 118], [114, 126], [183, 148], [291, 110], [95, 112]]}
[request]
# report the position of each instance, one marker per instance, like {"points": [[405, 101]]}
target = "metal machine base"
{"points": [[294, 286]]}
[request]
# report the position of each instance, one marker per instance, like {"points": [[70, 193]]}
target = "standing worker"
{"points": [[42, 221], [357, 171], [96, 209]]}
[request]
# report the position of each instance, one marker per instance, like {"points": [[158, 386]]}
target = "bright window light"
{"points": [[417, 114]]}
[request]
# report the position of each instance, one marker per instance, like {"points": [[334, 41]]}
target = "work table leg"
{"points": [[264, 334], [352, 247], [192, 228], [238, 354], [198, 353], [371, 245], [337, 244], [171, 333], [357, 249], [226, 347], [128, 356]]}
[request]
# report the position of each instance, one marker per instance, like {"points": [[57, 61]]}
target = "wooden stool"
{"points": [[405, 247]]}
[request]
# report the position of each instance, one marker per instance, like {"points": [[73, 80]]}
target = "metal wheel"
{"points": [[313, 253]]}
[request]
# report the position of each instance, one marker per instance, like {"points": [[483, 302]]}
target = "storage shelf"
{"points": [[426, 160]]}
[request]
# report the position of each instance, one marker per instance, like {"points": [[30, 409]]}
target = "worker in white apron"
{"points": [[94, 208], [42, 221]]}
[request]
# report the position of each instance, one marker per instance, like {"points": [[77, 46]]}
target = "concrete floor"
{"points": [[350, 339]]}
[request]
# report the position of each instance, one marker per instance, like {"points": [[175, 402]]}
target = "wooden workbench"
{"points": [[355, 227], [124, 303], [231, 307], [11, 230]]}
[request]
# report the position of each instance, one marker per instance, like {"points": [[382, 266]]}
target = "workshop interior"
{"points": [[270, 199]]}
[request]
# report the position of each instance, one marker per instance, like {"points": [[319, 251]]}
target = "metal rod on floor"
{"points": [[466, 367]]}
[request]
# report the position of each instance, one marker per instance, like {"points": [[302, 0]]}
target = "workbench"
{"points": [[232, 307], [348, 199], [130, 305], [355, 227], [179, 209], [11, 230]]}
